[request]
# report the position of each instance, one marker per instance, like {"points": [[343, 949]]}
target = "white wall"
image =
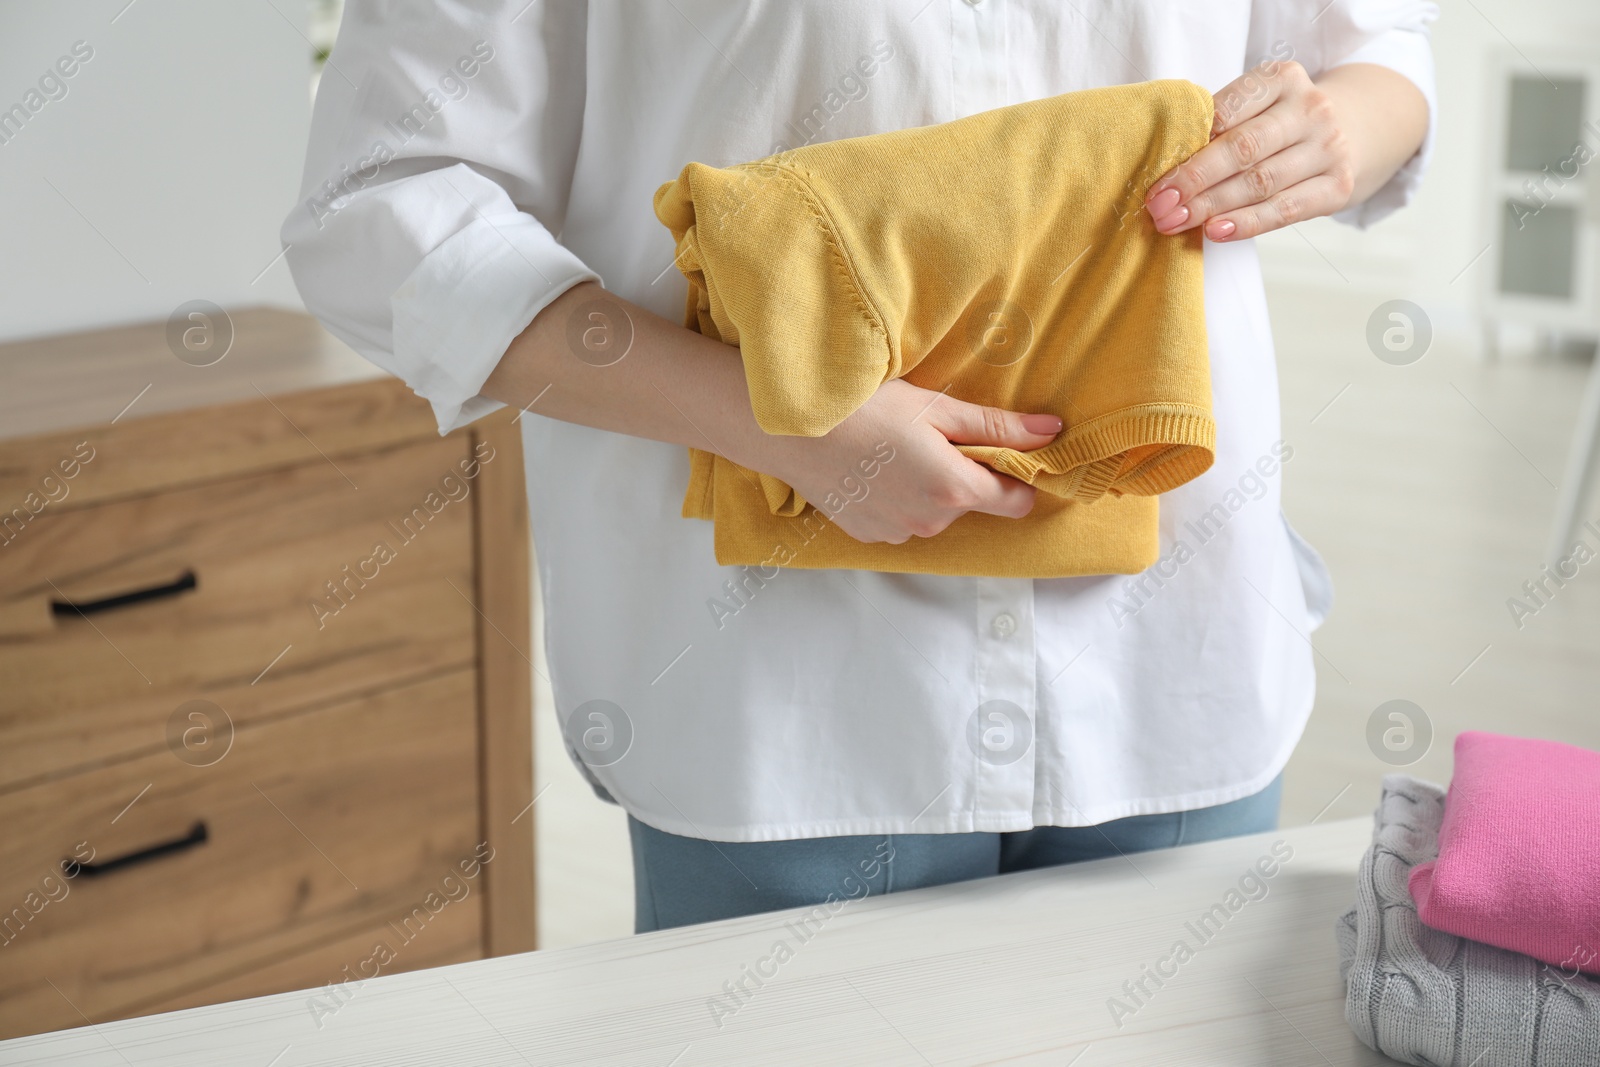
{"points": [[180, 141], [1416, 253]]}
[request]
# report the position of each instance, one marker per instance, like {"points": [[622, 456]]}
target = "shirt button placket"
{"points": [[1002, 725], [978, 64]]}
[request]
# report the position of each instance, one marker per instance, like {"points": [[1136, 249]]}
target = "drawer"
{"points": [[317, 826], [261, 595]]}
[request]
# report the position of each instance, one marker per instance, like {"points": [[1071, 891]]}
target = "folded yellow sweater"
{"points": [[1005, 259]]}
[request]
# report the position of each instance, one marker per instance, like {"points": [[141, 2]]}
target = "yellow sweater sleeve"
{"points": [[1004, 258], [769, 273]]}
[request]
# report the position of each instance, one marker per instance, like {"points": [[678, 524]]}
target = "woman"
{"points": [[476, 169]]}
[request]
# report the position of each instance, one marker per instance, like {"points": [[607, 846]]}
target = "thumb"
{"points": [[978, 424]]}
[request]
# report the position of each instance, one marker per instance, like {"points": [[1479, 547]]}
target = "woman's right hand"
{"points": [[927, 484]]}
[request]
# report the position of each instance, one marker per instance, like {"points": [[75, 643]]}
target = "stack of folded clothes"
{"points": [[1475, 939]]}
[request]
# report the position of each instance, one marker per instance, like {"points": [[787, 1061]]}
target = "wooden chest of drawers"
{"points": [[264, 676]]}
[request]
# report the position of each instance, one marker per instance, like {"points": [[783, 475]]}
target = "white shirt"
{"points": [[828, 702]]}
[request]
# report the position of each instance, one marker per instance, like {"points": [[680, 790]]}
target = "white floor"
{"points": [[1429, 489]]}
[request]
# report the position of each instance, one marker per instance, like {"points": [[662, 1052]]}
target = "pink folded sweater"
{"points": [[1519, 851]]}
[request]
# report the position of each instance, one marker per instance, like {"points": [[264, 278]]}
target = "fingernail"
{"points": [[1162, 203], [1220, 230], [1044, 425], [1170, 222]]}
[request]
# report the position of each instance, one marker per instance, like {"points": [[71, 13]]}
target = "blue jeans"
{"points": [[682, 880]]}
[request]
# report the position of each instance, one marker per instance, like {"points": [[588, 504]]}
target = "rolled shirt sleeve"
{"points": [[1321, 35], [441, 156]]}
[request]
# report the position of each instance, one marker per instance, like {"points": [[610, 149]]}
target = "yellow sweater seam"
{"points": [[841, 255]]}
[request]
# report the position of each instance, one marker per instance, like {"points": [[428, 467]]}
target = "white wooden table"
{"points": [[1016, 970]]}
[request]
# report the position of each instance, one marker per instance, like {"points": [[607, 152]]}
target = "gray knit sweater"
{"points": [[1423, 996]]}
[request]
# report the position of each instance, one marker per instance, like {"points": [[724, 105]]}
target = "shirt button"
{"points": [[1005, 624]]}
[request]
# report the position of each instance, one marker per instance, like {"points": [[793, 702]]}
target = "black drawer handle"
{"points": [[154, 592], [195, 837]]}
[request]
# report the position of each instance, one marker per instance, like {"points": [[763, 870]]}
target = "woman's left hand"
{"points": [[1278, 155]]}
